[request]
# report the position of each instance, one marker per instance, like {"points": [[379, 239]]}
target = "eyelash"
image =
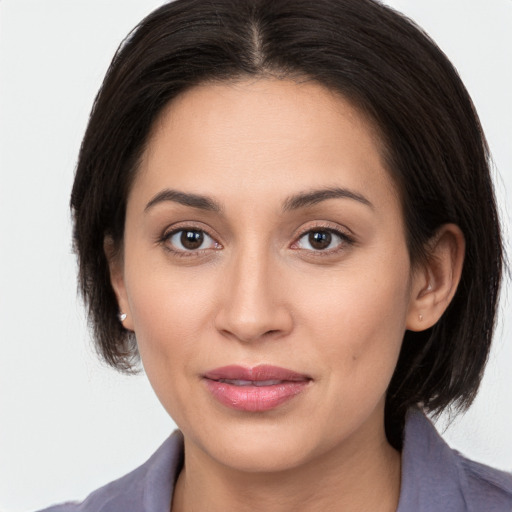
{"points": [[167, 236], [344, 240]]}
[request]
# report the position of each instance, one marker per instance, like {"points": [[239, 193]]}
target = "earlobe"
{"points": [[115, 265], [435, 282]]}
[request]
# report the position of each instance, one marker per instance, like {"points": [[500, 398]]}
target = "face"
{"points": [[266, 274]]}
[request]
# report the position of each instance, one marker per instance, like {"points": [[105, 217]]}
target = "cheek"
{"points": [[170, 311], [164, 299], [167, 325], [358, 317]]}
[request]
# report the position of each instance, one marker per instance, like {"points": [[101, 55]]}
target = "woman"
{"points": [[284, 207]]}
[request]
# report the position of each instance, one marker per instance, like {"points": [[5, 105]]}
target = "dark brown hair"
{"points": [[389, 68]]}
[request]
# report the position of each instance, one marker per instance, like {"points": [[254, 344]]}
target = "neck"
{"points": [[342, 479]]}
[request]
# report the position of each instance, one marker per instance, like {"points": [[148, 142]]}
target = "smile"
{"points": [[257, 389]]}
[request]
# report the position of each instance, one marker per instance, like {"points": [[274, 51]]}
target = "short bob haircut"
{"points": [[387, 67]]}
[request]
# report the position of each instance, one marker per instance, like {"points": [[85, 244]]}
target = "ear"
{"points": [[116, 268], [435, 282]]}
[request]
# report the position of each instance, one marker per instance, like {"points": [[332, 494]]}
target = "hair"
{"points": [[387, 67]]}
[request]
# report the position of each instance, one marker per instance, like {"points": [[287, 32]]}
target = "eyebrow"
{"points": [[193, 200], [310, 198], [295, 202]]}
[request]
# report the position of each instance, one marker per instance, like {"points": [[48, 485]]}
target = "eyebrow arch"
{"points": [[313, 197], [186, 199]]}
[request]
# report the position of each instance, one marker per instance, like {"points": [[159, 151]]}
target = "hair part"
{"points": [[386, 66]]}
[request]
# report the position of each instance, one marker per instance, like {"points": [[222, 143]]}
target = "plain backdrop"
{"points": [[67, 423]]}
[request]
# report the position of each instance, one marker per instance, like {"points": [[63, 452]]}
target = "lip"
{"points": [[257, 389]]}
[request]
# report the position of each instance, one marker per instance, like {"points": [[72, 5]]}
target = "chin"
{"points": [[258, 444], [267, 454]]}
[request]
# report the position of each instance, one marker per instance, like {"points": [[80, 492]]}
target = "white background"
{"points": [[67, 424]]}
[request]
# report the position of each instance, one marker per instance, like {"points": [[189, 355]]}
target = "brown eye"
{"points": [[320, 240], [191, 240], [323, 240]]}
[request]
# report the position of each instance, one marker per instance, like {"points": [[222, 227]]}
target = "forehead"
{"points": [[218, 137]]}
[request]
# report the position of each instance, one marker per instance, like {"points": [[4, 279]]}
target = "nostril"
{"points": [[252, 317]]}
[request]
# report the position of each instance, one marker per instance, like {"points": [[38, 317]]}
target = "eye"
{"points": [[322, 240], [190, 240]]}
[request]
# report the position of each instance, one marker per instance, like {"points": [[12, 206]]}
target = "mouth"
{"points": [[256, 389]]}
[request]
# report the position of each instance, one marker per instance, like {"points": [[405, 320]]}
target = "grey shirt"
{"points": [[435, 478]]}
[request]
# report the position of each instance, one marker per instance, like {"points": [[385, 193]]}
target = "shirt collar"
{"points": [[431, 480], [164, 468]]}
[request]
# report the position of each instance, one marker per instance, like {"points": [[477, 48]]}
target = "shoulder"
{"points": [[147, 488], [437, 478], [109, 497], [486, 488]]}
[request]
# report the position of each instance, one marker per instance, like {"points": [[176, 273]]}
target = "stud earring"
{"points": [[420, 317], [122, 317]]}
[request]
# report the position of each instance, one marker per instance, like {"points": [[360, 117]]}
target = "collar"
{"points": [[431, 476]]}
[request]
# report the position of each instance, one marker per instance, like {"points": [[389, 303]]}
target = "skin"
{"points": [[257, 292]]}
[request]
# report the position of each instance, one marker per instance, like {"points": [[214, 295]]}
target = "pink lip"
{"points": [[255, 389]]}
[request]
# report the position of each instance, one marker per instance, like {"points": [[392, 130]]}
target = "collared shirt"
{"points": [[435, 478]]}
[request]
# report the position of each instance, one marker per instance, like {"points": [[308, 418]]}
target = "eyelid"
{"points": [[326, 226], [190, 226], [346, 236]]}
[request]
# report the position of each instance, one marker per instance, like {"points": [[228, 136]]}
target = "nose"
{"points": [[253, 303]]}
